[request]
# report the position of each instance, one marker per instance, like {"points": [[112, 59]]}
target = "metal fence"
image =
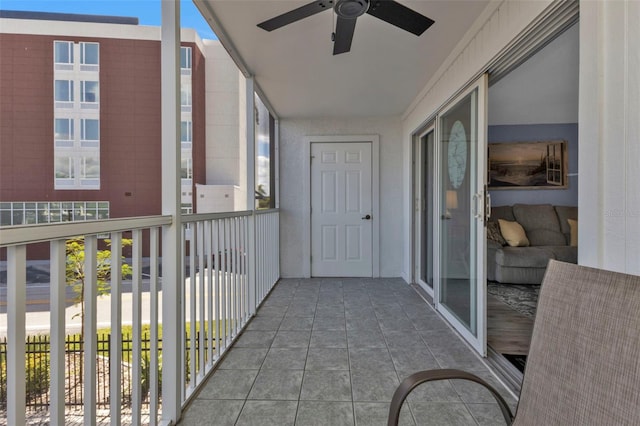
{"points": [[37, 368]]}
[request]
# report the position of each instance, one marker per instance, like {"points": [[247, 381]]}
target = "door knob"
{"points": [[367, 217]]}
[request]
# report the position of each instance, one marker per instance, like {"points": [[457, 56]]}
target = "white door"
{"points": [[341, 210], [462, 200]]}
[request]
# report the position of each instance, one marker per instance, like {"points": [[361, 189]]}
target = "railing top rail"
{"points": [[35, 233], [188, 218], [266, 211], [28, 234]]}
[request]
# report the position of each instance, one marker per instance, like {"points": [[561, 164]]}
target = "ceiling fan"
{"points": [[348, 11]]}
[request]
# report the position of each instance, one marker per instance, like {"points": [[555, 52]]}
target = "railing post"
{"points": [[153, 347], [171, 234], [89, 327], [57, 319], [136, 359], [251, 265], [115, 349], [16, 304]]}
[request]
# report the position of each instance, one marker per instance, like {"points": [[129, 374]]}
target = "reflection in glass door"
{"points": [[425, 178], [461, 275]]}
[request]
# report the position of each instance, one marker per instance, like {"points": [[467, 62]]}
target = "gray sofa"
{"points": [[549, 235]]}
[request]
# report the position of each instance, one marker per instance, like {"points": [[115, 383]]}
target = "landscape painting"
{"points": [[528, 165]]}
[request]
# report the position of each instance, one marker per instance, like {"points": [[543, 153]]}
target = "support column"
{"points": [[171, 234], [251, 189]]}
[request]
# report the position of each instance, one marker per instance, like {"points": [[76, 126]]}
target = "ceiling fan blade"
{"points": [[401, 16], [344, 35], [296, 15]]}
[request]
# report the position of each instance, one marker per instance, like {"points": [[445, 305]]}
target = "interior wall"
{"points": [[292, 134], [539, 132], [544, 89]]}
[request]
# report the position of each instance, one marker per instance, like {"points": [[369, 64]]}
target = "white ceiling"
{"points": [[385, 70]]}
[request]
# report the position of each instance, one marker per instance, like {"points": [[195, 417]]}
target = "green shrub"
{"points": [[38, 378]]}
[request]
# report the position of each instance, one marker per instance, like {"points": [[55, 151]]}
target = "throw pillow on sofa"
{"points": [[573, 224], [493, 233], [514, 233]]}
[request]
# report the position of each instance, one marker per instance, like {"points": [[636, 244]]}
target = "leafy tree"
{"points": [[76, 274]]}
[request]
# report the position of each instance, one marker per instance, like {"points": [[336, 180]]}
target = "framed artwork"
{"points": [[528, 165]]}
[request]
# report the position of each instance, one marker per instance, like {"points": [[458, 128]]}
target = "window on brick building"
{"points": [[185, 58], [63, 52], [89, 54], [63, 90], [89, 91]]}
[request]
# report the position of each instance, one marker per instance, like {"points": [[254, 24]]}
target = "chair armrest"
{"points": [[411, 382]]}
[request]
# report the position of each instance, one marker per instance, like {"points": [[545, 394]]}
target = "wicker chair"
{"points": [[583, 366]]}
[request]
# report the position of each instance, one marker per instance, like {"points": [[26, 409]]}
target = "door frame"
{"points": [[417, 210], [374, 140], [479, 342]]}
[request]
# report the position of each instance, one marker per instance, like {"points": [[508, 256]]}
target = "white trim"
{"points": [[374, 140]]}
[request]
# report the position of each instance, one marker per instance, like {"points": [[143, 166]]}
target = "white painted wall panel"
{"points": [[632, 126], [609, 231], [292, 133]]}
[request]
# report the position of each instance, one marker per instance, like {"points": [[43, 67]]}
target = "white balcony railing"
{"points": [[230, 263]]}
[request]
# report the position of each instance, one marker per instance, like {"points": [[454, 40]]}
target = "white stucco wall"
{"points": [[496, 28], [609, 128], [222, 115], [292, 133]]}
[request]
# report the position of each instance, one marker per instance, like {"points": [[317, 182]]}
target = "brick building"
{"points": [[79, 118]]}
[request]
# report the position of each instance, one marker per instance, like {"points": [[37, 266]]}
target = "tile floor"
{"points": [[331, 352]]}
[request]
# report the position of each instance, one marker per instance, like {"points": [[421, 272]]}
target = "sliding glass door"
{"points": [[461, 194]]}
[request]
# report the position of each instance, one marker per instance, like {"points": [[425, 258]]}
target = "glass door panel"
{"points": [[462, 158], [424, 178], [426, 217]]}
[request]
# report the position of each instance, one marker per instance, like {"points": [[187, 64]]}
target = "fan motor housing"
{"points": [[351, 9]]}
